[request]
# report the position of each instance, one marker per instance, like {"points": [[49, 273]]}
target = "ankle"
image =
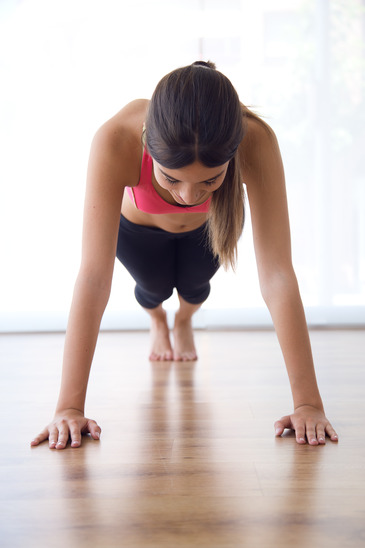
{"points": [[157, 314], [181, 318], [185, 313]]}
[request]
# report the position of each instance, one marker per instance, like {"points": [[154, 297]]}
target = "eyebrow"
{"points": [[206, 180]]}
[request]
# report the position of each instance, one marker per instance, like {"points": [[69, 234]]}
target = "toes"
{"points": [[189, 357], [163, 357], [185, 357]]}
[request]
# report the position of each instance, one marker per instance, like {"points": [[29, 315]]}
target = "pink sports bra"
{"points": [[147, 199]]}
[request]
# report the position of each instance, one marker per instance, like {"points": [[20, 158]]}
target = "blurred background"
{"points": [[67, 66]]}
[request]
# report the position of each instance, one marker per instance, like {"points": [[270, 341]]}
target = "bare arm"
{"points": [[103, 199], [104, 193], [264, 177]]}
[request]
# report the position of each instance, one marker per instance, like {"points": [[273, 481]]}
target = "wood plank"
{"points": [[188, 455]]}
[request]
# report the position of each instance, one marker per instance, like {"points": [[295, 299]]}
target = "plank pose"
{"points": [[165, 195]]}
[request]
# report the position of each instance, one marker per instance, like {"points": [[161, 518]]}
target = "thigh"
{"points": [[195, 264], [147, 253]]}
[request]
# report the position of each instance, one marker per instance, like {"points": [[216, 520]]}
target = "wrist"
{"points": [[63, 406], [306, 393], [69, 398], [317, 404]]}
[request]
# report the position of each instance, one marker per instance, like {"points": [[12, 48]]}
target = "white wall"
{"points": [[66, 66]]}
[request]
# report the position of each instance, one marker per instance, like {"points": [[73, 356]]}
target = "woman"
{"points": [[182, 158]]}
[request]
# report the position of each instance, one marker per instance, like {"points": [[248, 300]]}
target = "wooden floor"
{"points": [[187, 456]]}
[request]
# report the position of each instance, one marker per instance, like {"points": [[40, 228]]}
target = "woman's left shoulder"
{"points": [[257, 132], [259, 147]]}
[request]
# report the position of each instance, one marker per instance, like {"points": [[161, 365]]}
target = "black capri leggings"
{"points": [[159, 261]]}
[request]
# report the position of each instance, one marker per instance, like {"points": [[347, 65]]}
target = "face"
{"points": [[190, 185]]}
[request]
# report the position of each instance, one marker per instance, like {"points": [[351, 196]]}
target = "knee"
{"points": [[195, 295], [152, 297]]}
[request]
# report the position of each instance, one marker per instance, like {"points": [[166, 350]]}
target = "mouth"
{"points": [[179, 200]]}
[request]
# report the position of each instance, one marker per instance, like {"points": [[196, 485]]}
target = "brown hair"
{"points": [[195, 115]]}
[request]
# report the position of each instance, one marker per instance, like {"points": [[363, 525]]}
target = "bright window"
{"points": [[65, 67]]}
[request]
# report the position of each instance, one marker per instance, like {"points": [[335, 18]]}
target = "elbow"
{"points": [[278, 285], [97, 285]]}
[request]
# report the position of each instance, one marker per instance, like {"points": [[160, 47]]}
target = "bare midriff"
{"points": [[171, 222]]}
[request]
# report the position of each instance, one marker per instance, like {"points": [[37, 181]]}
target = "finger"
{"points": [[53, 437], [280, 425], [43, 436], [75, 433], [311, 434], [300, 432], [331, 432], [321, 434], [63, 435], [94, 429]]}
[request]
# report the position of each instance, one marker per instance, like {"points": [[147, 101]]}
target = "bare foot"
{"points": [[184, 348], [161, 349]]}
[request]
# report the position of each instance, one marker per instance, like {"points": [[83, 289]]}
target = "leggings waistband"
{"points": [[145, 229]]}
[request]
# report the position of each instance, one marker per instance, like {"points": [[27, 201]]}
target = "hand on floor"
{"points": [[310, 425], [66, 424]]}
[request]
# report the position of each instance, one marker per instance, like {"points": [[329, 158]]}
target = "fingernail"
{"points": [[278, 431], [97, 434]]}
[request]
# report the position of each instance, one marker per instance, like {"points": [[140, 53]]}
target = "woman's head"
{"points": [[194, 116]]}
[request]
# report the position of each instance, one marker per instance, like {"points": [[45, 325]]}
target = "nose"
{"points": [[189, 194]]}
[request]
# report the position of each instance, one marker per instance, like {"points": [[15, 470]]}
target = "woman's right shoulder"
{"points": [[118, 141], [124, 129]]}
